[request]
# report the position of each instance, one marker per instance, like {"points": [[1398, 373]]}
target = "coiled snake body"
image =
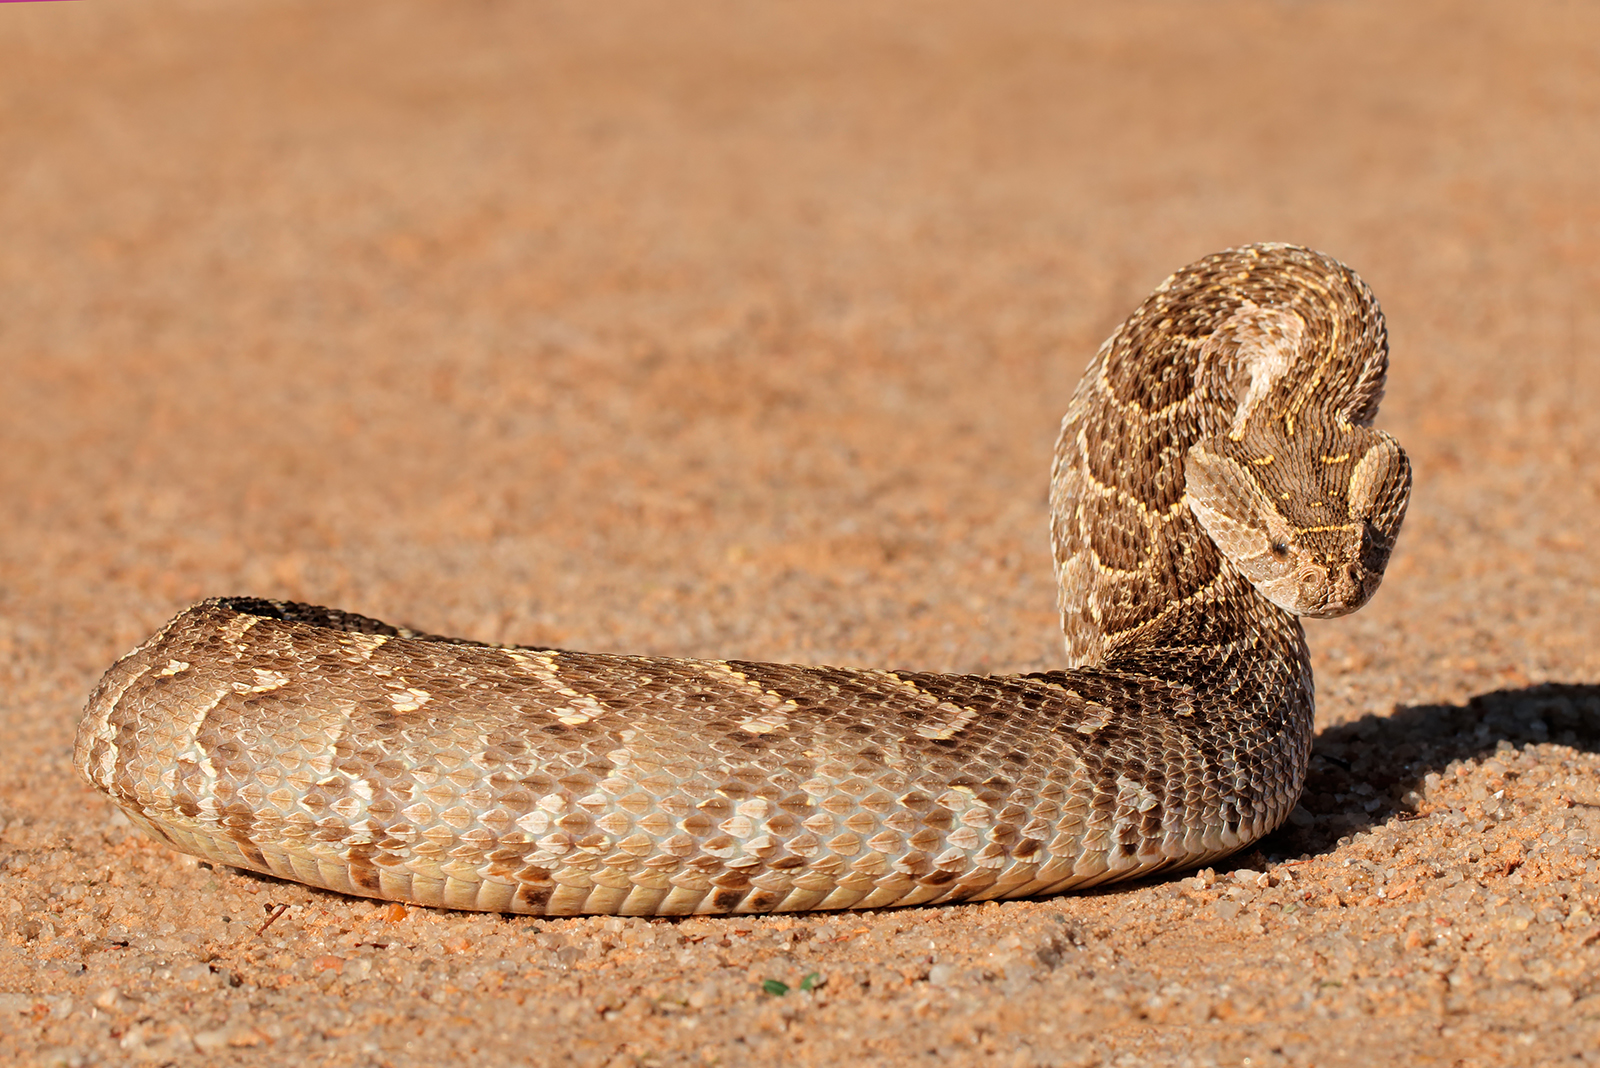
{"points": [[1216, 474]]}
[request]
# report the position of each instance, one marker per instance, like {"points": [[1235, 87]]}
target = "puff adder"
{"points": [[1217, 475]]}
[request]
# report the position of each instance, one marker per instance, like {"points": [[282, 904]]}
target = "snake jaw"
{"points": [[1327, 593]]}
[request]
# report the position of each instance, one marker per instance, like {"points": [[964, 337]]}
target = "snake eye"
{"points": [[1280, 549]]}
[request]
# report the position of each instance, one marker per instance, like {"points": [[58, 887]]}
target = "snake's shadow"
{"points": [[1371, 770]]}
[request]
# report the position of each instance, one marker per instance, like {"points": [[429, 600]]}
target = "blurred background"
{"points": [[740, 329]]}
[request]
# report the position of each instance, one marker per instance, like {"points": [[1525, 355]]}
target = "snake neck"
{"points": [[1268, 335]]}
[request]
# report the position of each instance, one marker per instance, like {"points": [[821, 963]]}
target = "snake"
{"points": [[1217, 476]]}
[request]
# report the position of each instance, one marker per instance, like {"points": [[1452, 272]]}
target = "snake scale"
{"points": [[1216, 476]]}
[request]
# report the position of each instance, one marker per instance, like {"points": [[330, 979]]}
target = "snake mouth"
{"points": [[1320, 592], [1351, 588]]}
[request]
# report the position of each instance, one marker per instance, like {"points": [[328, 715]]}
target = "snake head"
{"points": [[1309, 516]]}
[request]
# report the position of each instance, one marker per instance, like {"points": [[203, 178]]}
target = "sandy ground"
{"points": [[736, 329]]}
